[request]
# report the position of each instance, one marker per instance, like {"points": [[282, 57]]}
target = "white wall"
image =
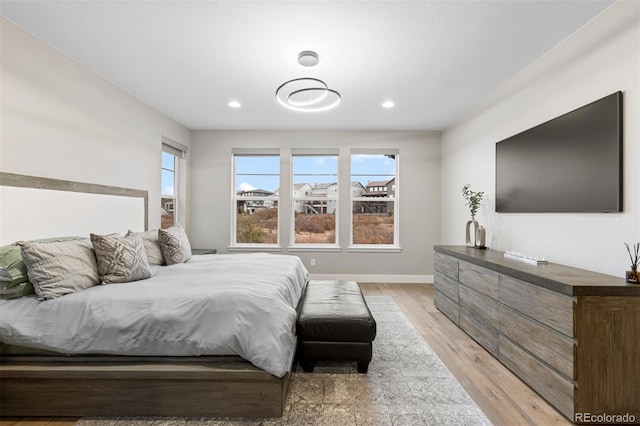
{"points": [[600, 58], [61, 120], [419, 167]]}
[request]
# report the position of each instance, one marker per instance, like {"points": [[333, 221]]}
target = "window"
{"points": [[255, 200], [168, 193], [314, 196], [172, 152], [374, 213]]}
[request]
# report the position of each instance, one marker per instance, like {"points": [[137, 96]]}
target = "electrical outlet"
{"points": [[313, 262]]}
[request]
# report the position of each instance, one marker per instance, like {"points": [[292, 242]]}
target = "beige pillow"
{"points": [[59, 268], [175, 245], [151, 246], [120, 259]]}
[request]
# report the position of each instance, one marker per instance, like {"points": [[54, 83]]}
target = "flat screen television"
{"points": [[572, 163]]}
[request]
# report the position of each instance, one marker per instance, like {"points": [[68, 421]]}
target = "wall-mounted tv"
{"points": [[572, 163]]}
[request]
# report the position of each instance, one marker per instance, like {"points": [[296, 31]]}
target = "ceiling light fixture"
{"points": [[234, 104], [308, 58], [388, 104], [307, 94]]}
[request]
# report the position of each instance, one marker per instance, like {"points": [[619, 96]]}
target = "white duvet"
{"points": [[231, 304]]}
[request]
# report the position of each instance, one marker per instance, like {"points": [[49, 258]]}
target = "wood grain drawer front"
{"points": [[447, 307], [549, 384], [608, 362], [548, 345], [446, 265], [446, 285], [480, 305], [479, 278], [550, 308], [480, 331]]}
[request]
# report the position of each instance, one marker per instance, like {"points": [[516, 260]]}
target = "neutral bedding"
{"points": [[232, 304]]}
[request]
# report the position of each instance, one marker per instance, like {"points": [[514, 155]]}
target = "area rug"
{"points": [[407, 384]]}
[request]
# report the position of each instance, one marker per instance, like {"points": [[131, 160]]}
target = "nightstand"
{"points": [[196, 252]]}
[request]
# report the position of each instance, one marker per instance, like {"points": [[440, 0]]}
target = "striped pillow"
{"points": [[61, 267]]}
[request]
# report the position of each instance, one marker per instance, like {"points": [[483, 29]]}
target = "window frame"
{"points": [[174, 196], [179, 152], [323, 152], [395, 246], [234, 245]]}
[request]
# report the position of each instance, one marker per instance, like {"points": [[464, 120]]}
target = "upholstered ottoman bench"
{"points": [[334, 324]]}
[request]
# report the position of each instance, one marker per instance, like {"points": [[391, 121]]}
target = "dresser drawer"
{"points": [[550, 385], [446, 285], [447, 307], [554, 348], [446, 265], [478, 278], [480, 331], [480, 305], [545, 306]]}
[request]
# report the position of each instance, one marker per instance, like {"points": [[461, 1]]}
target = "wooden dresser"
{"points": [[570, 334]]}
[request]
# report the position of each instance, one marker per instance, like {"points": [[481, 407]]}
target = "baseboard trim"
{"points": [[393, 279]]}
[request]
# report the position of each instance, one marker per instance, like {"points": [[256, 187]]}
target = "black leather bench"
{"points": [[334, 324]]}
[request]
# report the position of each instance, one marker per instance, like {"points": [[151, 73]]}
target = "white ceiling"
{"points": [[436, 60]]}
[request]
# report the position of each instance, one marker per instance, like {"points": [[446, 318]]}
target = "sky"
{"points": [[168, 166], [264, 172]]}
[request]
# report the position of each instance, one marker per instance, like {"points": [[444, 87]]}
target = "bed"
{"points": [[225, 347]]}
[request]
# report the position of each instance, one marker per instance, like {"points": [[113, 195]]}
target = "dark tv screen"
{"points": [[572, 163]]}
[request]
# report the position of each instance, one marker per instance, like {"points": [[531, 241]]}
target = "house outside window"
{"points": [[255, 198], [314, 197], [374, 210]]}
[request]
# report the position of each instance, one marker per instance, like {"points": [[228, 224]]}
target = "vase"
{"points": [[481, 236], [632, 275], [469, 233]]}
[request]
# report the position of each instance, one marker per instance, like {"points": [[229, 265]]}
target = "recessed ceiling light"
{"points": [[388, 104], [234, 104]]}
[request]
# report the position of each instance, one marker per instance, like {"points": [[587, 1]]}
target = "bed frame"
{"points": [[135, 386], [205, 386]]}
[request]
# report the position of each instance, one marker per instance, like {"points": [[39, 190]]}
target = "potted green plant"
{"points": [[473, 200]]}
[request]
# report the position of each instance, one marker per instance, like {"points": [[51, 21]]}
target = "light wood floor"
{"points": [[500, 394], [504, 398]]}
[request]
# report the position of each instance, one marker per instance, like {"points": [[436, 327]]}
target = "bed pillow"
{"points": [[15, 281], [120, 259], [151, 246], [175, 244], [11, 261], [5, 276], [61, 267]]}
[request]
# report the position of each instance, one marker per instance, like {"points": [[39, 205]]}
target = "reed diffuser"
{"points": [[632, 275]]}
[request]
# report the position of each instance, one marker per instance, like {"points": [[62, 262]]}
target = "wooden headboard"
{"points": [[34, 207]]}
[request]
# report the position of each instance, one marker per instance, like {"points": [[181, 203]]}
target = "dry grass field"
{"points": [[261, 227]]}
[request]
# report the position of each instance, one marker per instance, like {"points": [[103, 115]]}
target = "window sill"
{"points": [[254, 248], [313, 247], [374, 249]]}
